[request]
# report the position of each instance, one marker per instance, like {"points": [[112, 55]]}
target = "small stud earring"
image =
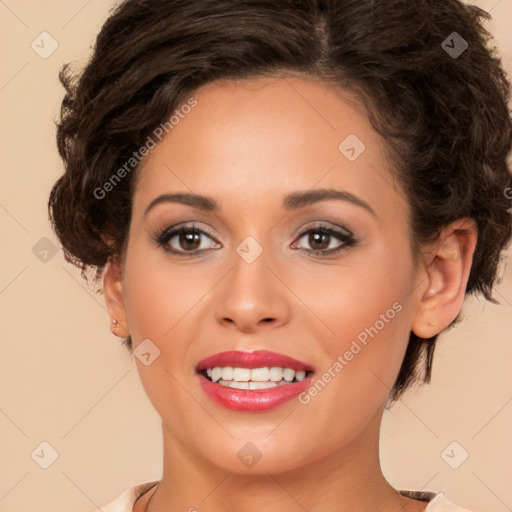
{"points": [[115, 322]]}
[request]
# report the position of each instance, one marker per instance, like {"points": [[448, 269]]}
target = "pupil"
{"points": [[189, 240], [315, 238]]}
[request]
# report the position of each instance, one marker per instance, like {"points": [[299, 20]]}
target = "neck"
{"points": [[348, 479]]}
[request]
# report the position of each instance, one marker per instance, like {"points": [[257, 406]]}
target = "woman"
{"points": [[287, 202]]}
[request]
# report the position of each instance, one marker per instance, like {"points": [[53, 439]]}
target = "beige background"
{"points": [[65, 379]]}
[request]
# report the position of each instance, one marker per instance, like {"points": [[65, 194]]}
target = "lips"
{"points": [[255, 359], [253, 381]]}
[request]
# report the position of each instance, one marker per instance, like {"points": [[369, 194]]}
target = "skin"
{"points": [[246, 145]]}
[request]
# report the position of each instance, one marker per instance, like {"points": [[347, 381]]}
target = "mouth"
{"points": [[253, 381], [255, 378]]}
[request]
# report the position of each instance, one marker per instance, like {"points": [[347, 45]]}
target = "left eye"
{"points": [[326, 240]]}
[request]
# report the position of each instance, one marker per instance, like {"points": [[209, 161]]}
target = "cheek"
{"points": [[156, 298], [158, 306], [367, 297], [367, 307]]}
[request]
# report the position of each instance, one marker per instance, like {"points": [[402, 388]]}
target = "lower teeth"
{"points": [[250, 384]]}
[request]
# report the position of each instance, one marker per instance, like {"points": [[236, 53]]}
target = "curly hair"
{"points": [[444, 115]]}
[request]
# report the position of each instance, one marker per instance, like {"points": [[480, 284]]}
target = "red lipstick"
{"points": [[255, 359], [252, 400]]}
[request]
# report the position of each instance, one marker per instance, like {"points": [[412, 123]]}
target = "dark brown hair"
{"points": [[443, 115]]}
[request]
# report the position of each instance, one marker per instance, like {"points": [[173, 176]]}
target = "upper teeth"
{"points": [[273, 374]]}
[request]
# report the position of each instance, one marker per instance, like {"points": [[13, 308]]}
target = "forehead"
{"points": [[263, 137]]}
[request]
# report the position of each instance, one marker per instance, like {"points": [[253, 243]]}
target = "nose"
{"points": [[251, 297]]}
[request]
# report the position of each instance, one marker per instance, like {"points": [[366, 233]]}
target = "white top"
{"points": [[436, 502]]}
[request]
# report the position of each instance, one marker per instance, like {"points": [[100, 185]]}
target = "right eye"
{"points": [[186, 241]]}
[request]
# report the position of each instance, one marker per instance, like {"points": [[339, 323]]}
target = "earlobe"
{"points": [[114, 300], [447, 267]]}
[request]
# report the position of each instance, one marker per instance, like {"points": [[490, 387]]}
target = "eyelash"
{"points": [[343, 236]]}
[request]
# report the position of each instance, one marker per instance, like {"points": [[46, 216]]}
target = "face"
{"points": [[265, 262]]}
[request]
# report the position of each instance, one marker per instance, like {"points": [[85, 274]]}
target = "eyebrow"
{"points": [[297, 200], [292, 201]]}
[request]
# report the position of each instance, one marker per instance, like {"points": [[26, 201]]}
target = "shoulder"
{"points": [[124, 503], [441, 504], [436, 502]]}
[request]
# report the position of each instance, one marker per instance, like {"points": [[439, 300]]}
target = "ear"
{"points": [[447, 265], [113, 290]]}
